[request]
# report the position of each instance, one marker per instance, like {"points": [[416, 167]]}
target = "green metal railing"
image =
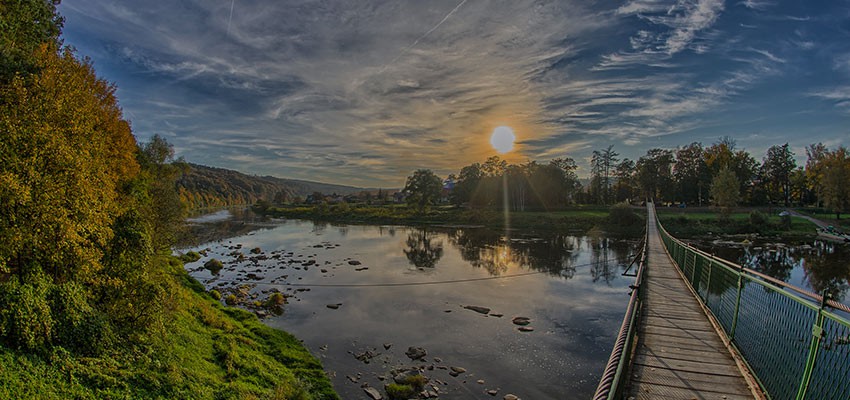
{"points": [[796, 343]]}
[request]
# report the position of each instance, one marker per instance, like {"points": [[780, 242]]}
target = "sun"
{"points": [[503, 139]]}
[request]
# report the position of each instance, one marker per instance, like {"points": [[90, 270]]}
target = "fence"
{"points": [[795, 342], [611, 385]]}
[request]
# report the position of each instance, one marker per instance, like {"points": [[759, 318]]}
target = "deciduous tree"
{"points": [[423, 188]]}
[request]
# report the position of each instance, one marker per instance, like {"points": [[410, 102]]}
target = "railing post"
{"points": [[737, 303], [708, 281], [817, 334]]}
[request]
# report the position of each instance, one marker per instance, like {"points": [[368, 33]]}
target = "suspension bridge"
{"points": [[699, 327]]}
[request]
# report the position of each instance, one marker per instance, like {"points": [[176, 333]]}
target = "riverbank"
{"points": [[205, 351], [703, 223], [575, 220]]}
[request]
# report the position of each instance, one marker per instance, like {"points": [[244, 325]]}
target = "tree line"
{"points": [[84, 208], [693, 175]]}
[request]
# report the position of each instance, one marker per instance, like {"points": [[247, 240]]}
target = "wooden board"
{"points": [[679, 353]]}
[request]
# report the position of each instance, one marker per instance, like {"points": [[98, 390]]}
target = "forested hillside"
{"points": [[201, 186]]}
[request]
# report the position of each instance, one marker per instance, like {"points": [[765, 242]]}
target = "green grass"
{"points": [[827, 216], [206, 351], [700, 223], [579, 219]]}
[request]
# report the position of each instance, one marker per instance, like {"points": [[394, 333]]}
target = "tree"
{"points": [[423, 188], [725, 191], [159, 174], [625, 188], [65, 153], [467, 184], [654, 173], [776, 170], [815, 154], [834, 182], [723, 155], [691, 173], [602, 164], [25, 25]]}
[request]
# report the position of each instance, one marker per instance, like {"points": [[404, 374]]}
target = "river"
{"points": [[360, 296]]}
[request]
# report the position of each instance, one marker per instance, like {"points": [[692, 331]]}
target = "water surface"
{"points": [[819, 266], [399, 287]]}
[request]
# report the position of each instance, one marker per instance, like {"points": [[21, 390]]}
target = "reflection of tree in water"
{"points": [[827, 268], [600, 268], [422, 250], [319, 227], [489, 250], [776, 263], [824, 265], [241, 222]]}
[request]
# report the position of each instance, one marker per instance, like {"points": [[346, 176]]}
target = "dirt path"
{"points": [[815, 221]]}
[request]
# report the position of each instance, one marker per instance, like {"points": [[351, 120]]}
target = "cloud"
{"points": [[365, 92], [839, 96], [759, 5], [674, 28]]}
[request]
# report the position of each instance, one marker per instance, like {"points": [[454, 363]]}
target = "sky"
{"points": [[365, 92]]}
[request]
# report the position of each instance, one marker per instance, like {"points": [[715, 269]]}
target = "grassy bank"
{"points": [[706, 223], [206, 351], [576, 220]]}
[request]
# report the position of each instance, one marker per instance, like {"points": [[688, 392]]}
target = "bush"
{"points": [[757, 219], [215, 294], [191, 256], [399, 392], [276, 299], [25, 320], [231, 300], [622, 214], [416, 381]]}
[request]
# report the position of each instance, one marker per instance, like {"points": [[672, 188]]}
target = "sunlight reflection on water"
{"points": [[575, 301]]}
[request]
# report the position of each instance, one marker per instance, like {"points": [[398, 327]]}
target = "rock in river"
{"points": [[478, 309], [416, 353], [373, 393], [521, 321]]}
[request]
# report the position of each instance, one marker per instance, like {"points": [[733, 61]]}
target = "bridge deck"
{"points": [[679, 354]]}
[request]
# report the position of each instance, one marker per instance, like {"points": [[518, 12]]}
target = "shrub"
{"points": [[622, 214], [757, 219], [416, 381], [276, 299], [231, 300], [25, 320], [399, 392], [215, 294], [191, 256]]}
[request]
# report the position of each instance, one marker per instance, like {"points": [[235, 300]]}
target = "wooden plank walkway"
{"points": [[679, 354]]}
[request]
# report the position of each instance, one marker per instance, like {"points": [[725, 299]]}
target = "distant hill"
{"points": [[202, 186]]}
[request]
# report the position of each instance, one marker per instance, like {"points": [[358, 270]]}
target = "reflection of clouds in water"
{"points": [[575, 320], [555, 254]]}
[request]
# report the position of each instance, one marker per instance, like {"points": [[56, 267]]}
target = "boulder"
{"points": [[415, 353]]}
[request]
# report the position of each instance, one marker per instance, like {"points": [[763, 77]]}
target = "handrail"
{"points": [[610, 385], [794, 347], [816, 298]]}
